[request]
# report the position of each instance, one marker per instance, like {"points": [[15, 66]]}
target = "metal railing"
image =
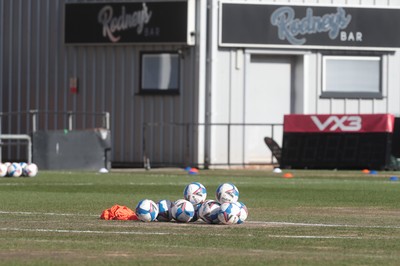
{"points": [[71, 116], [189, 133], [32, 125], [18, 137]]}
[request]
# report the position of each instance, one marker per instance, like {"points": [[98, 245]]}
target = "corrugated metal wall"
{"points": [[35, 70]]}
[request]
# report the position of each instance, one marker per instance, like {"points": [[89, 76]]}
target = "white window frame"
{"points": [[159, 83], [356, 93]]}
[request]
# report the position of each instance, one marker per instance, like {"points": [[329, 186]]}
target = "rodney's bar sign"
{"points": [[127, 22], [297, 26], [290, 28]]}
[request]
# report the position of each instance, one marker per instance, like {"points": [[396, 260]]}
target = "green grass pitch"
{"points": [[315, 218]]}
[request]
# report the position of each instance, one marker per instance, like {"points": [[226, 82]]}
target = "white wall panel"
{"points": [[382, 2], [353, 2], [366, 106], [338, 106], [221, 106], [352, 106], [237, 96]]}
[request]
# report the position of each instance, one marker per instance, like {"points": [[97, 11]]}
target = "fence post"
{"points": [[187, 155], [70, 121], [106, 120], [229, 144], [146, 161], [1, 141], [34, 120]]}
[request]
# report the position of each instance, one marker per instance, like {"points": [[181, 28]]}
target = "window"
{"points": [[160, 73], [351, 77]]}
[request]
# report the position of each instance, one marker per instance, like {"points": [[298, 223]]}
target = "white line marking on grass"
{"points": [[316, 237], [12, 184], [324, 225], [85, 231], [47, 184], [62, 231], [247, 222], [48, 213]]}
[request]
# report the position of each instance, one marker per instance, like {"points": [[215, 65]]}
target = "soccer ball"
{"points": [[195, 193], [14, 170], [182, 211], [31, 170], [23, 166], [227, 192], [164, 211], [196, 212], [3, 170], [7, 164], [147, 210], [243, 212], [209, 210], [229, 213]]}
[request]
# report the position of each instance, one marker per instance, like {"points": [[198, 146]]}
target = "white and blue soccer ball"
{"points": [[164, 210], [3, 170], [196, 212], [244, 213], [209, 210], [7, 164], [31, 170], [14, 170], [23, 166], [195, 193], [146, 210], [182, 211], [227, 192], [229, 213]]}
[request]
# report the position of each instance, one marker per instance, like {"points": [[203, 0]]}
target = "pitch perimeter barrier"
{"points": [[17, 129], [179, 144], [339, 141]]}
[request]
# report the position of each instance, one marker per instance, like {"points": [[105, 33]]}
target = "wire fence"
{"points": [[208, 145], [156, 144]]}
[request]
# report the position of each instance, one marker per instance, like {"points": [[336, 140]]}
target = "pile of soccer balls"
{"points": [[226, 209], [18, 169]]}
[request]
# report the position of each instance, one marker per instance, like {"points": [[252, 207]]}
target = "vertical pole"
{"points": [[106, 120], [70, 114], [229, 145], [1, 140], [145, 160], [187, 153], [29, 150], [272, 131], [273, 137], [34, 120]]}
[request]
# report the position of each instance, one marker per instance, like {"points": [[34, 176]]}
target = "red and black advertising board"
{"points": [[338, 141]]}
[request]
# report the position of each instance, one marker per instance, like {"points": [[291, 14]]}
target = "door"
{"points": [[268, 97]]}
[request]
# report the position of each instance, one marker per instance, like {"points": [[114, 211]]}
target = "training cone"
{"points": [[373, 172], [288, 175], [103, 170], [193, 171], [277, 170], [394, 178], [365, 171]]}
